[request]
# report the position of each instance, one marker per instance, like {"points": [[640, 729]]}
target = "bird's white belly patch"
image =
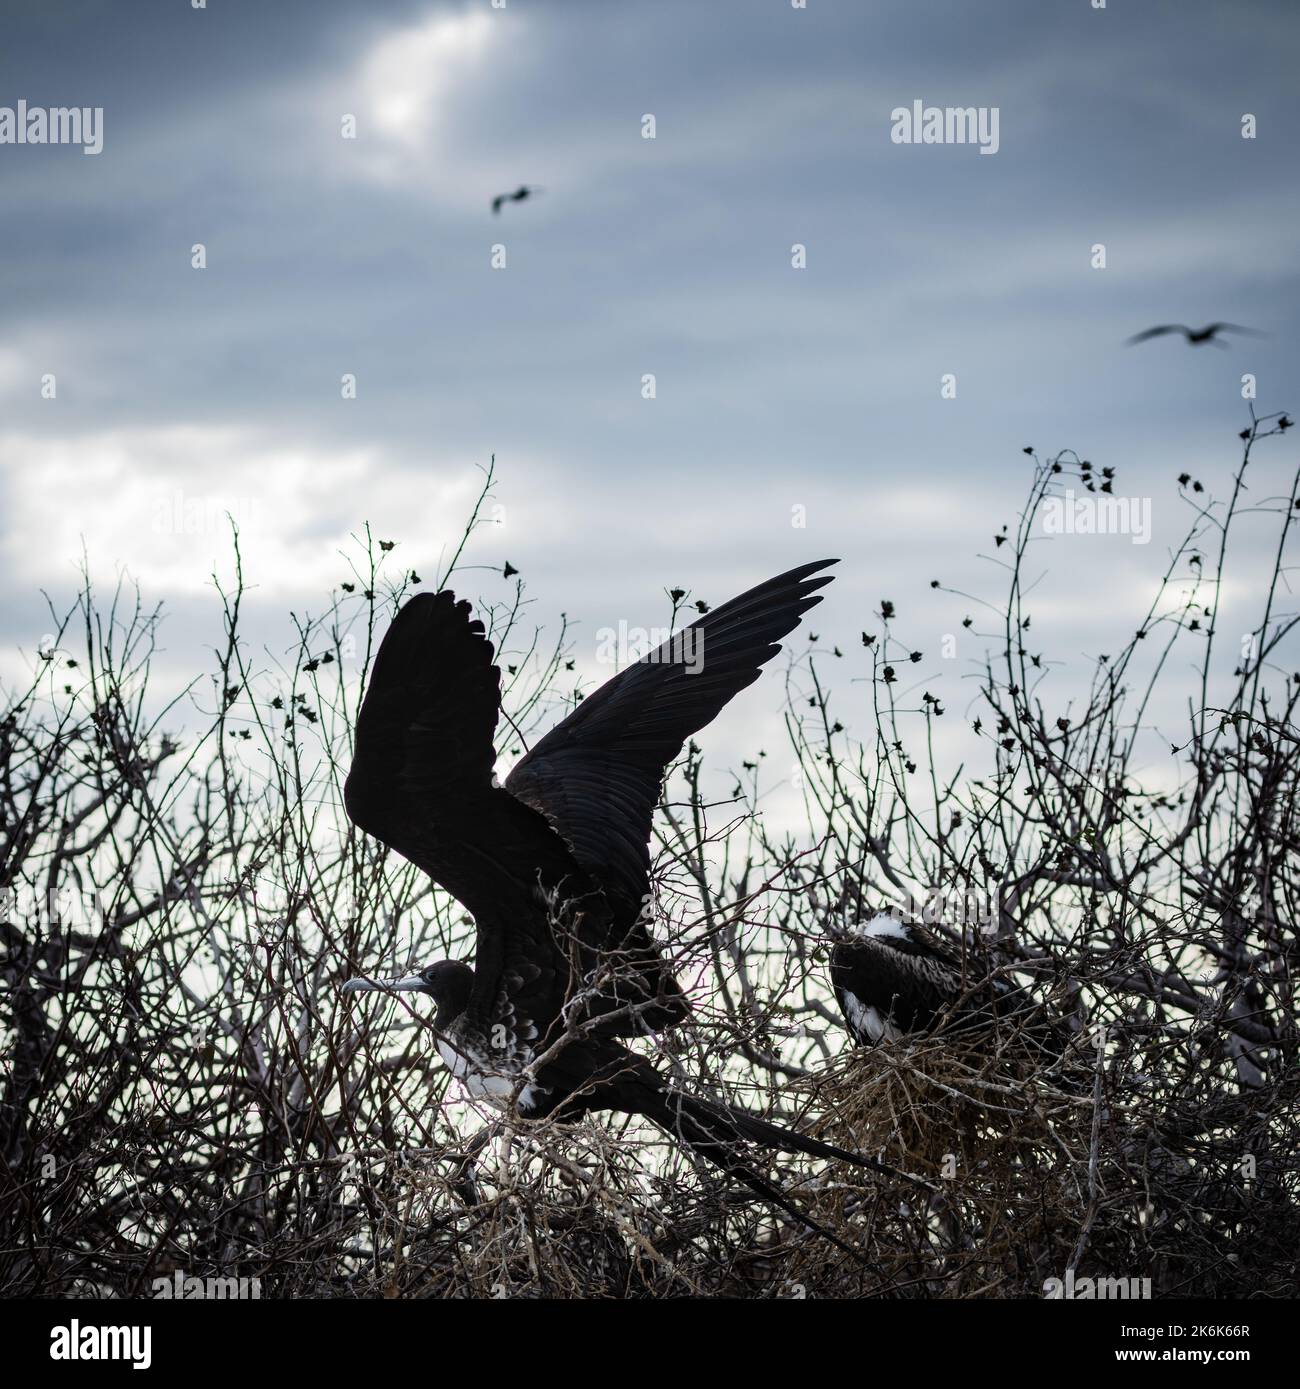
{"points": [[485, 1083], [868, 1021]]}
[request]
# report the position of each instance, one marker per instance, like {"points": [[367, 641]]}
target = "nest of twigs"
{"points": [[999, 1146], [554, 1210], [1004, 1146]]}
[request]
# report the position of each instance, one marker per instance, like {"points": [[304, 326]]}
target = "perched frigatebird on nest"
{"points": [[894, 980], [554, 864]]}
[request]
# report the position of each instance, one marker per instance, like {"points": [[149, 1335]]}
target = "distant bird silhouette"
{"points": [[1195, 336], [523, 191], [554, 864]]}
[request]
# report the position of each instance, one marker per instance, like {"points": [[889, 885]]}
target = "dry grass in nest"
{"points": [[918, 1105], [1003, 1144], [562, 1211], [577, 1211]]}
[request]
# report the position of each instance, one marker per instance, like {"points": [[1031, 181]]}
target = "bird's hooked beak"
{"points": [[407, 981]]}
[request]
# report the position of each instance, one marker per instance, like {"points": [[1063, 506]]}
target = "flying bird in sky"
{"points": [[554, 864], [524, 190], [1195, 336]]}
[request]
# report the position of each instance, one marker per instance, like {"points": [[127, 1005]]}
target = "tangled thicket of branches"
{"points": [[184, 1089]]}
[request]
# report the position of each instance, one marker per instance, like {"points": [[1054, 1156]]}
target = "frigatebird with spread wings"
{"points": [[1197, 337], [554, 864], [525, 190]]}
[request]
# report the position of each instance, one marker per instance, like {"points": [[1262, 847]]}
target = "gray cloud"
{"points": [[776, 387]]}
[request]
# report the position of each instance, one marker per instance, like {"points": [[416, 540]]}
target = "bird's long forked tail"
{"points": [[718, 1133]]}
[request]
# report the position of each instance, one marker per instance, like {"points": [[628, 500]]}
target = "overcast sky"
{"points": [[183, 390]]}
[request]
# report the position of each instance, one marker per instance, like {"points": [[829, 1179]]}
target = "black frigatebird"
{"points": [[895, 980], [525, 190], [554, 864], [1196, 336]]}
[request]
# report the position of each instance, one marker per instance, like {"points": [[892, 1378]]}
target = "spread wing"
{"points": [[597, 776], [421, 781], [1157, 332]]}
